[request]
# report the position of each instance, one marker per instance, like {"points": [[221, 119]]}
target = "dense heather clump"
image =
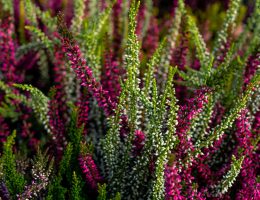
{"points": [[119, 99]]}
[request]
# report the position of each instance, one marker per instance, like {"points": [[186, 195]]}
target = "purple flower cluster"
{"points": [[249, 187], [84, 73], [138, 142], [186, 113], [173, 183], [8, 47], [110, 78], [175, 172], [90, 171], [251, 67]]}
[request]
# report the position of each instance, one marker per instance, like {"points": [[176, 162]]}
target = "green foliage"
{"points": [[94, 8], [79, 8], [42, 164], [233, 114], [33, 12], [47, 19], [8, 111], [30, 12], [229, 178], [40, 36], [92, 34], [102, 192], [56, 190], [171, 38], [70, 159], [75, 133], [39, 104], [9, 93], [229, 20], [65, 167], [8, 6], [200, 124], [117, 197], [15, 181], [7, 108], [68, 167], [153, 62], [76, 187], [163, 144], [218, 76], [201, 49], [111, 143], [26, 48]]}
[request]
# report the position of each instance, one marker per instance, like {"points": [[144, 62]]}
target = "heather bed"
{"points": [[119, 99]]}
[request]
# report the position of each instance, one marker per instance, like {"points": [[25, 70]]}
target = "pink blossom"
{"points": [[90, 171]]}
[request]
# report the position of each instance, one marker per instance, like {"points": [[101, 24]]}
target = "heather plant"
{"points": [[118, 99]]}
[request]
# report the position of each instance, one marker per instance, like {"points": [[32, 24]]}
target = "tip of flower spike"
{"points": [[62, 27]]}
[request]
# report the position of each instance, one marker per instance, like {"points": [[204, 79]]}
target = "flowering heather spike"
{"points": [[243, 134], [172, 35], [256, 124], [229, 178], [171, 39], [7, 48], [180, 53], [153, 62], [201, 124], [248, 181], [239, 104], [83, 72], [229, 20], [148, 16], [201, 49], [186, 113], [90, 171], [138, 142], [37, 33], [30, 11], [253, 64], [173, 185], [223, 53], [39, 104], [41, 172], [83, 113], [217, 115], [63, 93], [79, 8], [110, 78]]}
